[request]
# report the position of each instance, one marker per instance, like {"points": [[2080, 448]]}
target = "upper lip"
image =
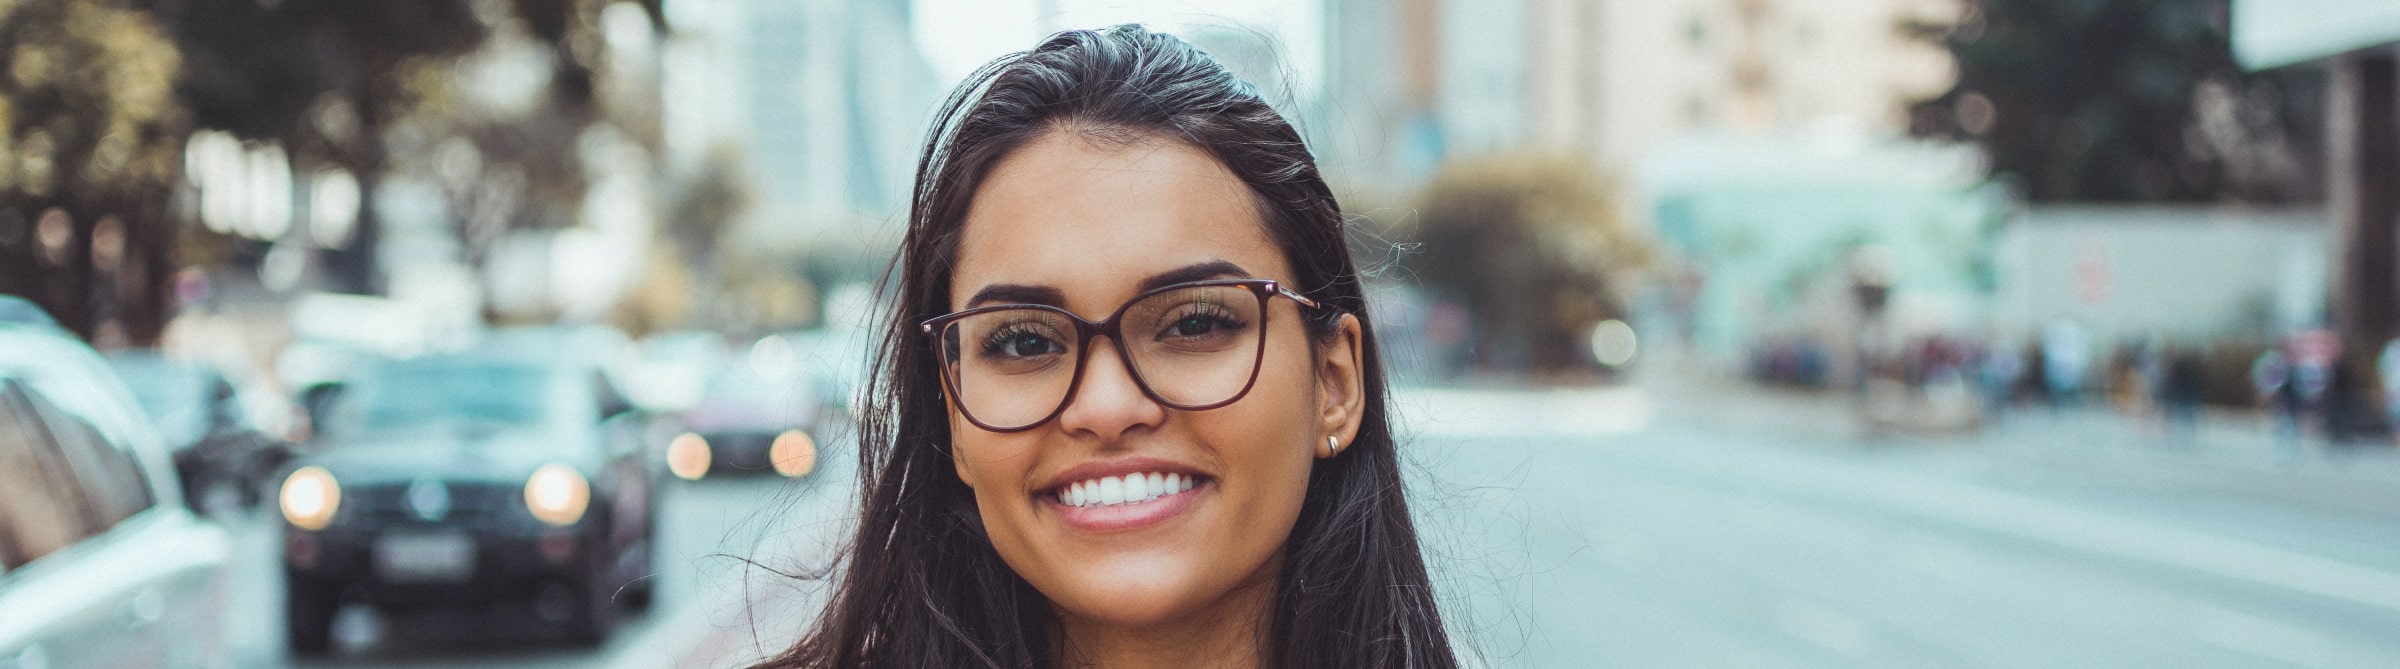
{"points": [[1118, 467]]}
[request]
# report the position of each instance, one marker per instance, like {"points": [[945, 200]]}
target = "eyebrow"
{"points": [[1011, 293]]}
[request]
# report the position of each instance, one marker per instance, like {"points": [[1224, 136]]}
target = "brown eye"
{"points": [[1194, 325]]}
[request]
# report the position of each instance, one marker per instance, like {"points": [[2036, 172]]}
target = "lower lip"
{"points": [[1126, 516]]}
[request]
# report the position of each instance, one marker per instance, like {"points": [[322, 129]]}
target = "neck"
{"points": [[1230, 634]]}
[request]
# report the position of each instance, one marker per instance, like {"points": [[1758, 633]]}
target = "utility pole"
{"points": [[2363, 145]]}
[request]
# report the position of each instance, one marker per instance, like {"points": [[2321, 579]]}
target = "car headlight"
{"points": [[309, 498], [688, 456], [793, 453], [557, 495]]}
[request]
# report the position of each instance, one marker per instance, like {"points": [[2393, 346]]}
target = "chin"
{"points": [[1134, 593]]}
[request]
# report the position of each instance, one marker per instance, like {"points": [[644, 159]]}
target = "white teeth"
{"points": [[1127, 489]]}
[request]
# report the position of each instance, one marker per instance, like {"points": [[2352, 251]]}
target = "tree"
{"points": [[1534, 249], [2121, 100], [90, 149], [98, 99], [323, 78]]}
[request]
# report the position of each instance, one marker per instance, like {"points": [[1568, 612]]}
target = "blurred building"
{"points": [[1763, 139], [1414, 82], [1381, 76], [2181, 272], [1773, 227], [828, 99]]}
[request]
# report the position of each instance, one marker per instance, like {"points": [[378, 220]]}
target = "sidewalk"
{"points": [[2222, 450]]}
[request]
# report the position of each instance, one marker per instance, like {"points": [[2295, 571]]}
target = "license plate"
{"points": [[424, 558]]}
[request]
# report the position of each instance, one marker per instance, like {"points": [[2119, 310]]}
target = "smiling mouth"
{"points": [[1124, 490]]}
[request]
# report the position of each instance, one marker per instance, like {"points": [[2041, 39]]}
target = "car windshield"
{"points": [[164, 391], [434, 394], [174, 395]]}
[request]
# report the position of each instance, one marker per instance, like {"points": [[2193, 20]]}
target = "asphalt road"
{"points": [[1593, 528], [1586, 529]]}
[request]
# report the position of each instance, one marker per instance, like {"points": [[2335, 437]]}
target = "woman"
{"points": [[1130, 412]]}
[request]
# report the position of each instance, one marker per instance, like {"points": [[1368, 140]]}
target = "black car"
{"points": [[471, 480], [220, 455]]}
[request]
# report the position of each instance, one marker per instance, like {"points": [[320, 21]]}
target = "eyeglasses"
{"points": [[1190, 346]]}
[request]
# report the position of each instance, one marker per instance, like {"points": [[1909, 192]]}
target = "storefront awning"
{"points": [[2275, 33]]}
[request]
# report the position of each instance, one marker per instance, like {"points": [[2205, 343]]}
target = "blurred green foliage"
{"points": [[2124, 100], [1537, 252], [99, 97], [91, 140]]}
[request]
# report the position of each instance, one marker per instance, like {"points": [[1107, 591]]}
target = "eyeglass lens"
{"points": [[1192, 347]]}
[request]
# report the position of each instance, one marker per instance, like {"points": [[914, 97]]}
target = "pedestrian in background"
{"points": [[2387, 376], [2066, 358], [2182, 383], [2271, 382], [1998, 375]]}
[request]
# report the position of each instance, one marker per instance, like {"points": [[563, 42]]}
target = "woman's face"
{"points": [[1084, 226]]}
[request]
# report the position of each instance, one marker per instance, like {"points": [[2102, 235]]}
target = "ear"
{"points": [[1341, 384]]}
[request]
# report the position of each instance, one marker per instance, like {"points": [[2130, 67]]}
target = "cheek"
{"points": [[995, 467], [1267, 435], [988, 462]]}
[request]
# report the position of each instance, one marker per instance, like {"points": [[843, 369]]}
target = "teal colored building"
{"points": [[1773, 232]]}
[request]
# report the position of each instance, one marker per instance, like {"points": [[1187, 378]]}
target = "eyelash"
{"points": [[1216, 313], [999, 338]]}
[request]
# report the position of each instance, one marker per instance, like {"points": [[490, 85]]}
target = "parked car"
{"points": [[747, 421], [101, 563], [476, 480], [221, 456]]}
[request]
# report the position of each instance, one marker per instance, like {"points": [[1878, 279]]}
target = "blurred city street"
{"points": [[727, 547], [1684, 522], [1738, 530], [1724, 333]]}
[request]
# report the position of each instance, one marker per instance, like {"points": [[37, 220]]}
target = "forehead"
{"points": [[1095, 219]]}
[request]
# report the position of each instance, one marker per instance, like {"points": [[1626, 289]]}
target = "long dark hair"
{"points": [[922, 585]]}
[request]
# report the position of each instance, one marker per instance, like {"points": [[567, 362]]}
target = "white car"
{"points": [[101, 564]]}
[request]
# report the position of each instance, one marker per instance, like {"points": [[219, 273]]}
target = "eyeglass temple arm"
{"points": [[1296, 297], [1304, 301]]}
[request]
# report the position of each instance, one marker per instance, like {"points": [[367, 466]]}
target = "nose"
{"points": [[1108, 402]]}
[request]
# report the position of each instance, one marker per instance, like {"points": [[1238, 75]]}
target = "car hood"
{"points": [[505, 456]]}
